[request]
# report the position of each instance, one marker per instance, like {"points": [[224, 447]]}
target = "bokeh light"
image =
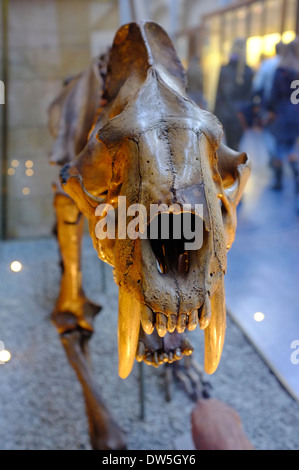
{"points": [[15, 163], [259, 316], [5, 355], [29, 164], [16, 266]]}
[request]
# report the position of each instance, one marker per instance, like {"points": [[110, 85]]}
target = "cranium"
{"points": [[150, 144]]}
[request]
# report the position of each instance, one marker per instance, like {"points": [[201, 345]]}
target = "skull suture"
{"points": [[152, 145]]}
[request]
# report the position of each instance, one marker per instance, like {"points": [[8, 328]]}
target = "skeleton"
{"points": [[126, 127]]}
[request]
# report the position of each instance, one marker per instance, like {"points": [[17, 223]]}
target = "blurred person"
{"points": [[233, 92], [263, 80], [195, 82], [261, 91], [284, 115]]}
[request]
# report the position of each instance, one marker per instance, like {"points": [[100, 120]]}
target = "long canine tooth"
{"points": [[147, 319], [128, 332], [206, 313], [161, 324], [181, 324], [215, 332], [193, 320]]}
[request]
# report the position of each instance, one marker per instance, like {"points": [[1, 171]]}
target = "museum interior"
{"points": [[102, 99]]}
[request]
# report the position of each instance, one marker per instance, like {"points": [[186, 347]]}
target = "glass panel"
{"points": [[228, 37], [1, 133], [212, 58], [269, 44], [254, 51], [291, 14], [273, 16], [264, 30], [49, 41], [256, 18], [241, 22]]}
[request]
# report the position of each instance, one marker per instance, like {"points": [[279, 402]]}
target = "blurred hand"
{"points": [[217, 426]]}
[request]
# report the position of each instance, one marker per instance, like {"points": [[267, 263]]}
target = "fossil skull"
{"points": [[152, 145]]}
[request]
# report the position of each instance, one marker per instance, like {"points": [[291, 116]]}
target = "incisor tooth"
{"points": [[140, 351], [181, 324], [171, 325], [206, 312], [128, 331], [186, 347], [161, 324], [178, 353], [161, 357], [155, 359], [215, 332], [165, 357], [147, 319], [193, 320]]}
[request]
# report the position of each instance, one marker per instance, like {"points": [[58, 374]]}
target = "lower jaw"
{"points": [[158, 332], [155, 351]]}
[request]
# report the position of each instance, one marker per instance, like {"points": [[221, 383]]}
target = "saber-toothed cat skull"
{"points": [[152, 145]]}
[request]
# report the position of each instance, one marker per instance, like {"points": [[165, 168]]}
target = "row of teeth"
{"points": [[131, 312], [159, 357], [170, 323]]}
